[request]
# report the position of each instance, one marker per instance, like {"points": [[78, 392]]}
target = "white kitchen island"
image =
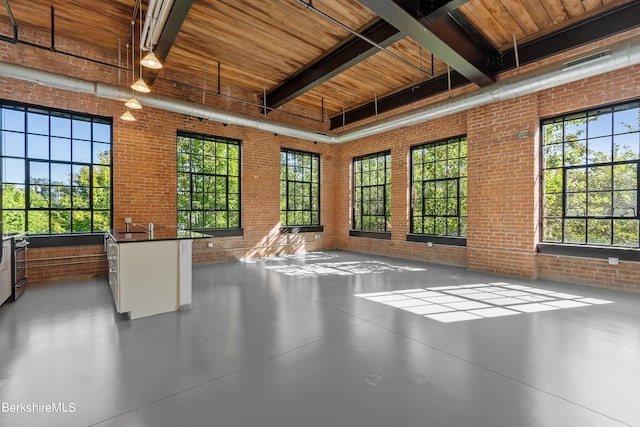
{"points": [[150, 273]]}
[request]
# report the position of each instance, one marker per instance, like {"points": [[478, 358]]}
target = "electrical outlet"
{"points": [[429, 244], [127, 220], [210, 244], [614, 260]]}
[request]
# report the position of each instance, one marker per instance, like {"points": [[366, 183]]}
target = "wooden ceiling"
{"points": [[302, 54]]}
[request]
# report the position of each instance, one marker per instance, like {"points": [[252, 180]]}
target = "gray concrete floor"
{"points": [[285, 342]]}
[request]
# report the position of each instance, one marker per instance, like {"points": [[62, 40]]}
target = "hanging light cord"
{"points": [[365, 38], [140, 26], [132, 24]]}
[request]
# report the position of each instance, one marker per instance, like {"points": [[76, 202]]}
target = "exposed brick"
{"points": [[503, 170]]}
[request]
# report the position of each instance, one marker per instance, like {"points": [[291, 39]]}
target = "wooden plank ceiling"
{"points": [[272, 46]]}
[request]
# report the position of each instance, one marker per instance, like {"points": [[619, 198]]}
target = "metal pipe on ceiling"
{"points": [[162, 20], [148, 22], [623, 54], [11, 18], [119, 93], [156, 18]]}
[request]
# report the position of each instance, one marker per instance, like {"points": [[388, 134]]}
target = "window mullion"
{"points": [[384, 194]]}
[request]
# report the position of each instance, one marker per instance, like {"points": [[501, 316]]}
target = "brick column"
{"points": [[503, 187]]}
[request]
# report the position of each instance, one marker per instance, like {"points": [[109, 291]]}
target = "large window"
{"points": [[439, 188], [590, 179], [372, 192], [56, 170], [208, 182], [299, 188]]}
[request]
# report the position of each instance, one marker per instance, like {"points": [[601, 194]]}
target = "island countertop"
{"points": [[150, 271], [157, 234]]}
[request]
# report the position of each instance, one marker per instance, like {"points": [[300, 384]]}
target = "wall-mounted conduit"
{"points": [[622, 54]]}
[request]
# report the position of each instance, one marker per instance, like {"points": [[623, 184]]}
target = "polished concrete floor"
{"points": [[308, 341]]}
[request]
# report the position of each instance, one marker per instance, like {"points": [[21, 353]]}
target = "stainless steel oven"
{"points": [[19, 264]]}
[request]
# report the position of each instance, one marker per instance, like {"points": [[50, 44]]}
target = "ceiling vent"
{"points": [[588, 58]]}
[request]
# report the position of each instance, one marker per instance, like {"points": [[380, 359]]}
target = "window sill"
{"points": [[385, 235], [222, 232], [438, 240], [294, 229], [56, 240], [584, 251]]}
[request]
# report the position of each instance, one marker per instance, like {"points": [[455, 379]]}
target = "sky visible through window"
{"points": [[56, 170]]}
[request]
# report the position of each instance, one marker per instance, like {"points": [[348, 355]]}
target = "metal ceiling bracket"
{"points": [[441, 36]]}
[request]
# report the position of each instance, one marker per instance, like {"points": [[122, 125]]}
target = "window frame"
{"points": [[585, 246], [215, 139], [358, 213], [30, 136], [285, 184], [461, 181]]}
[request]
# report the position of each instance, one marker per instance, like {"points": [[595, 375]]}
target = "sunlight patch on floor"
{"points": [[347, 268], [478, 301]]}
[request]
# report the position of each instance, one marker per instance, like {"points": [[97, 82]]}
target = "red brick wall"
{"points": [[590, 271], [399, 142], [502, 180], [504, 184], [144, 161], [503, 172], [45, 265]]}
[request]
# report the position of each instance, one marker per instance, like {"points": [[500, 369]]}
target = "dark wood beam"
{"points": [[347, 55], [178, 14], [396, 100], [581, 33], [441, 36]]}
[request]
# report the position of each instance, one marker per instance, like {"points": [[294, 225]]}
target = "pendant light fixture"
{"points": [[151, 61], [133, 104], [127, 116], [156, 10], [140, 85]]}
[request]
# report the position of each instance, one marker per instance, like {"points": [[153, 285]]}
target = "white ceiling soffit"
{"points": [[622, 54]]}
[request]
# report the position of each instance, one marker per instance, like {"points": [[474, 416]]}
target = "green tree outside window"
{"points": [[590, 177], [56, 171], [439, 188], [208, 182], [299, 188]]}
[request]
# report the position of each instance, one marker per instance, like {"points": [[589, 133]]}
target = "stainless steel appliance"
{"points": [[19, 277], [6, 285]]}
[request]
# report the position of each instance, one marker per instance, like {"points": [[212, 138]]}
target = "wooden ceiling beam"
{"points": [[581, 33], [441, 36], [176, 18], [348, 54], [401, 98]]}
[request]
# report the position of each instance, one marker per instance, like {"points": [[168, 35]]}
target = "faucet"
{"points": [[149, 227]]}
